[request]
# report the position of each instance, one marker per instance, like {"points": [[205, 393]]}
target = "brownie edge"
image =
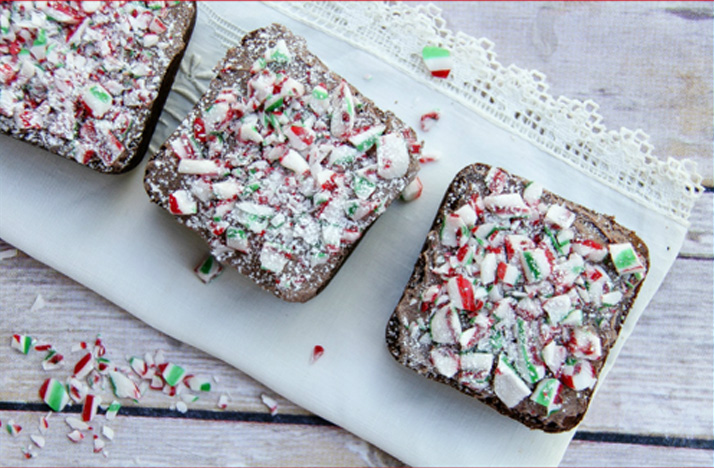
{"points": [[517, 298]]}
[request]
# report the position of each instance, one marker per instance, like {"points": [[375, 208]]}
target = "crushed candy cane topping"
{"points": [[77, 80], [285, 169], [524, 296]]}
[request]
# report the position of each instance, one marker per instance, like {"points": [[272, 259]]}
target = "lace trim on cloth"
{"points": [[517, 99]]}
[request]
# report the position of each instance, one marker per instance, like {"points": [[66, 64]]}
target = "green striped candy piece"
{"points": [[54, 394], [173, 374]]}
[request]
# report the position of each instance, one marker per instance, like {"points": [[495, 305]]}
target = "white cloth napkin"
{"points": [[103, 232]]}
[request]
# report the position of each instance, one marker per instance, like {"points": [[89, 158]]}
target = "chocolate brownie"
{"points": [[282, 166], [517, 297], [87, 80]]}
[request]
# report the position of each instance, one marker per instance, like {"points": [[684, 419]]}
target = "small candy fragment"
{"points": [[437, 60], [173, 374], [197, 166], [53, 360], [98, 444], [208, 269], [189, 398], [89, 410], [123, 387], [367, 138], [139, 366], [79, 346], [54, 394], [547, 393], [28, 453], [38, 440], [22, 343], [445, 361], [77, 389], [429, 157], [412, 191], [181, 202], [625, 259], [84, 366], [45, 423], [97, 99], [12, 428], [75, 436], [108, 432], [428, 120], [270, 403], [38, 304], [181, 407], [509, 388], [317, 353], [222, 401], [77, 424], [578, 376], [392, 156], [197, 383]]}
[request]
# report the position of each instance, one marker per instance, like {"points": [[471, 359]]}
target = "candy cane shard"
{"points": [[54, 394], [270, 403], [22, 343], [438, 61]]}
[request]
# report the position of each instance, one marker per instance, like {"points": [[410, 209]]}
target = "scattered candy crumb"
{"points": [[222, 401], [95, 373], [270, 403], [428, 120], [38, 304], [317, 353], [209, 269], [12, 428], [75, 436], [368, 77], [412, 191], [429, 157], [38, 440]]}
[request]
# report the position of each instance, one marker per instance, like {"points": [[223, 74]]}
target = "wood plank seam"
{"points": [[312, 420]]}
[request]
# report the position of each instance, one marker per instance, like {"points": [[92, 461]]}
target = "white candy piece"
{"points": [[392, 156], [270, 403], [553, 356], [509, 388], [295, 162], [97, 99], [476, 362], [38, 440], [560, 217], [272, 259], [445, 326], [557, 307], [181, 202], [197, 166], [579, 376], [586, 344], [467, 215], [488, 268], [445, 361]]}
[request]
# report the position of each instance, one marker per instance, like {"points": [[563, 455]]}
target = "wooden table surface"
{"points": [[649, 66]]}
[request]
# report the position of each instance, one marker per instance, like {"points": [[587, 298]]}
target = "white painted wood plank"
{"points": [[161, 442], [648, 65], [633, 399], [662, 381], [582, 453]]}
